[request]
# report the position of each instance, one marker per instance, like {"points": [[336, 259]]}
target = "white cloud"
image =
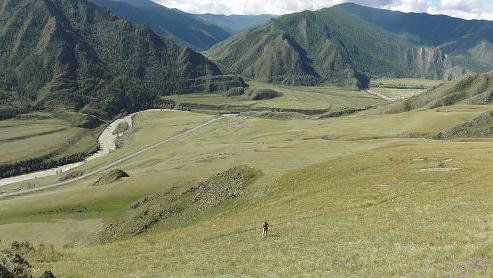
{"points": [[258, 6], [470, 9]]}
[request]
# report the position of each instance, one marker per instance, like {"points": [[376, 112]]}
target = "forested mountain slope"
{"points": [[67, 54], [469, 42], [197, 31], [340, 44]]}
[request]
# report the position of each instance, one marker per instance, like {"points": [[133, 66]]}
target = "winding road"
{"points": [[118, 161], [381, 95]]}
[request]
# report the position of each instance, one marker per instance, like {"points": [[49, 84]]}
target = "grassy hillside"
{"points": [[348, 196], [471, 89], [65, 54], [480, 127], [329, 45]]}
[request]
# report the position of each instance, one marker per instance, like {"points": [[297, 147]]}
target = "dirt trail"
{"points": [[103, 152], [381, 96]]}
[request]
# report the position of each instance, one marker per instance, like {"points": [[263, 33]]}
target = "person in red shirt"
{"points": [[265, 228]]}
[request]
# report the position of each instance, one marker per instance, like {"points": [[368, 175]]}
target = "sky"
{"points": [[468, 9]]}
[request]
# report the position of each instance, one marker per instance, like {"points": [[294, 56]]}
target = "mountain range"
{"points": [[198, 31], [65, 54], [77, 55], [349, 43]]}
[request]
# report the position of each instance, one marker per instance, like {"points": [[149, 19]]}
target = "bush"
{"points": [[237, 91]]}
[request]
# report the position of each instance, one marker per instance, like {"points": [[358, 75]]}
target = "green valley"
{"points": [[343, 142]]}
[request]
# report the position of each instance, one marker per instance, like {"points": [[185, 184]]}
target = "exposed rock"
{"points": [[5, 273], [111, 177], [14, 264], [432, 63], [47, 274]]}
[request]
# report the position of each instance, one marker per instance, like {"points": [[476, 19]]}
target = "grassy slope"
{"points": [[402, 87], [26, 138], [471, 89], [351, 215]]}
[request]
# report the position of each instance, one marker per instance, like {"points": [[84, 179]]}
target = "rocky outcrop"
{"points": [[14, 265], [111, 177], [431, 62]]}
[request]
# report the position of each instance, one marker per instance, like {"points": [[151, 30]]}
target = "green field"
{"points": [[43, 138], [359, 195], [310, 100]]}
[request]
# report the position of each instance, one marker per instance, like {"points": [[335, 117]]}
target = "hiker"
{"points": [[265, 228]]}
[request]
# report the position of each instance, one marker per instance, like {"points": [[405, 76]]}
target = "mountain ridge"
{"points": [[328, 45], [64, 54], [198, 31]]}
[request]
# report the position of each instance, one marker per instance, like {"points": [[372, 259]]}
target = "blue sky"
{"points": [[469, 9]]}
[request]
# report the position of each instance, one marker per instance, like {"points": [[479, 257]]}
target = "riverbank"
{"points": [[106, 145]]}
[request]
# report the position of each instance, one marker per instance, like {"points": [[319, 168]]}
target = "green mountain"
{"points": [[470, 89], [235, 24], [342, 44], [200, 32], [468, 41], [184, 28], [67, 54]]}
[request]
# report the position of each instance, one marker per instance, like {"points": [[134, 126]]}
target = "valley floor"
{"points": [[361, 195]]}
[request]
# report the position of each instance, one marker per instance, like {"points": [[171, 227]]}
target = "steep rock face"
{"points": [[432, 63], [427, 61]]}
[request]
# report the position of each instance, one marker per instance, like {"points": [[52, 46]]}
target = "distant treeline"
{"points": [[41, 163], [54, 160]]}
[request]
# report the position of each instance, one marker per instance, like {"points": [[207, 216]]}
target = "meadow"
{"points": [[308, 100], [28, 137], [361, 195]]}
